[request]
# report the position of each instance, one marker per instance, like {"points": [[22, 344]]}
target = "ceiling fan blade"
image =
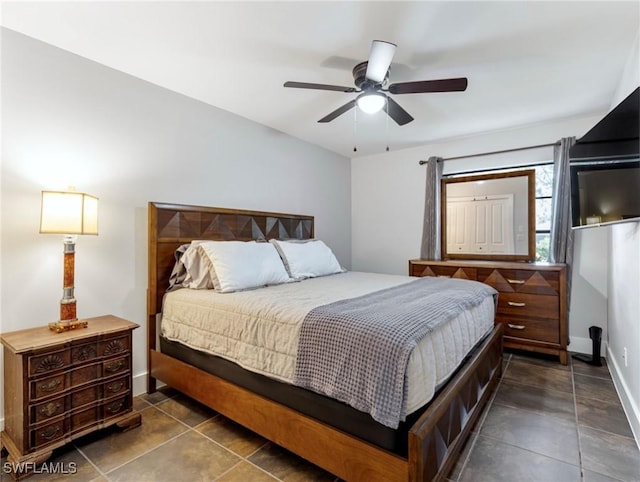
{"points": [[305, 85], [379, 61], [443, 85], [397, 113], [339, 111]]}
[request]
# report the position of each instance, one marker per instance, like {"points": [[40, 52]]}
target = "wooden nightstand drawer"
{"points": [[47, 434], [45, 387], [114, 346], [48, 362], [115, 366], [115, 406], [113, 387]]}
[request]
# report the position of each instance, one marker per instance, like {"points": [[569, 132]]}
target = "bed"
{"points": [[329, 434]]}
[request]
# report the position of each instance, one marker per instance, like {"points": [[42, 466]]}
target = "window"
{"points": [[544, 202], [544, 190]]}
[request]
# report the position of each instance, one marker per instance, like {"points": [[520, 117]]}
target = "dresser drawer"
{"points": [[114, 346], [528, 281], [530, 328], [47, 434], [526, 305], [49, 362], [58, 406], [114, 387], [443, 271], [46, 387], [115, 366], [115, 406]]}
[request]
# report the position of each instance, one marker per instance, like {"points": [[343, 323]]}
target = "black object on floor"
{"points": [[595, 333]]}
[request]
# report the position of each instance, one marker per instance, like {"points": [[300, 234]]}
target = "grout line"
{"points": [[81, 452], [575, 411]]}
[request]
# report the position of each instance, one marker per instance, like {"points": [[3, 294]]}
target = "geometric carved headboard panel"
{"points": [[171, 225]]}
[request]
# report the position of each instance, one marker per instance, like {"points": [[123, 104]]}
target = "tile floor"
{"points": [[546, 422]]}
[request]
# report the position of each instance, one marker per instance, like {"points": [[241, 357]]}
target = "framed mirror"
{"points": [[489, 216]]}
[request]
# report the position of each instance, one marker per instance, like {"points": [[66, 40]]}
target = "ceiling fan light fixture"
{"points": [[371, 102]]}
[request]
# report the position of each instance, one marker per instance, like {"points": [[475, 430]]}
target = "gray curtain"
{"points": [[430, 248], [561, 244]]}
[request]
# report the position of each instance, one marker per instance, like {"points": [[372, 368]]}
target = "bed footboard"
{"points": [[436, 439]]}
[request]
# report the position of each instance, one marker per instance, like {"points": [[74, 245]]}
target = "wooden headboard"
{"points": [[171, 225]]}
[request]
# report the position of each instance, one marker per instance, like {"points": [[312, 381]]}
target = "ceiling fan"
{"points": [[370, 78]]}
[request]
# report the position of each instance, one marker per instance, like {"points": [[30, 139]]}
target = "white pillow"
{"points": [[307, 259], [240, 265]]}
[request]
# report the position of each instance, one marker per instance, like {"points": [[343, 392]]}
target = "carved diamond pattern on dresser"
{"points": [[51, 362], [496, 280], [113, 347], [539, 285]]}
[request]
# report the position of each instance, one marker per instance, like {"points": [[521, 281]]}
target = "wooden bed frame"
{"points": [[435, 440]]}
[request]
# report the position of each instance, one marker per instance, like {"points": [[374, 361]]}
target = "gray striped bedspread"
{"points": [[357, 350]]}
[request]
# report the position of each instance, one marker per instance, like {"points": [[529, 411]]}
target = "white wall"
{"points": [[69, 121], [624, 284], [623, 316]]}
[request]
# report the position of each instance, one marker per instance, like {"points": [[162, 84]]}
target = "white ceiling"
{"points": [[527, 62]]}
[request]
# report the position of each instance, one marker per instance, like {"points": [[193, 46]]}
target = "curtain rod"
{"points": [[495, 152]]}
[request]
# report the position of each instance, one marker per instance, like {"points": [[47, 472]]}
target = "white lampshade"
{"points": [[68, 213], [371, 102]]}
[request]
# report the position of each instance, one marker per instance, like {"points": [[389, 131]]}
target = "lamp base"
{"points": [[67, 325]]}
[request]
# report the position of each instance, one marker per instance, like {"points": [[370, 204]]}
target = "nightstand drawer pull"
{"points": [[49, 409], [115, 387], [114, 407], [51, 386], [515, 303], [50, 433], [516, 327], [114, 367], [516, 281]]}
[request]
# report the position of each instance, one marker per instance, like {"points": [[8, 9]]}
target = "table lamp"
{"points": [[68, 213]]}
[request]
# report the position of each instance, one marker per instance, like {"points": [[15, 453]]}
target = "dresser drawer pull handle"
{"points": [[51, 386], [515, 303], [49, 409], [49, 434], [114, 407], [114, 367], [516, 281], [444, 276], [115, 387], [516, 327]]}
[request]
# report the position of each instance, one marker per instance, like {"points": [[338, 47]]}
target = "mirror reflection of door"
{"points": [[480, 224], [489, 216]]}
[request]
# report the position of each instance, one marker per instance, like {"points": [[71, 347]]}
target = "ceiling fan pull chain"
{"points": [[386, 129], [355, 129]]}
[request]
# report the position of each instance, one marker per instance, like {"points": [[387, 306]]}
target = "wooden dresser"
{"points": [[60, 386], [532, 300]]}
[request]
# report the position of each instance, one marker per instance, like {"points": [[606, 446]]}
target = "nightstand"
{"points": [[61, 386]]}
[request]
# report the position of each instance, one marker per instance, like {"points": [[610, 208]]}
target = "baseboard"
{"points": [[630, 406], [585, 345], [139, 384]]}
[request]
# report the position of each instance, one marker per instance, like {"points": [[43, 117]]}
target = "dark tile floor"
{"points": [[546, 422]]}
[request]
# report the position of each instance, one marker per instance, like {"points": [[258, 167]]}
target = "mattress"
{"points": [[259, 329]]}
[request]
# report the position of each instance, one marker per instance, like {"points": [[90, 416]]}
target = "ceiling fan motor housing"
{"points": [[360, 79]]}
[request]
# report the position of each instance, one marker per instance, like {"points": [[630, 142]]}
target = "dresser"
{"points": [[532, 299], [60, 386]]}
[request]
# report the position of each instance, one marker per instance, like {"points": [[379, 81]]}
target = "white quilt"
{"points": [[258, 329]]}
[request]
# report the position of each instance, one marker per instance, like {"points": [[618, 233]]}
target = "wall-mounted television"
{"points": [[605, 191]]}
